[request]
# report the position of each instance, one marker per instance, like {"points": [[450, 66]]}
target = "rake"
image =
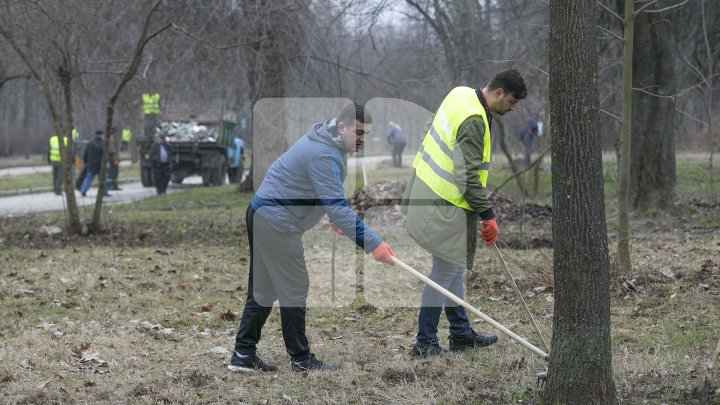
{"points": [[459, 301]]}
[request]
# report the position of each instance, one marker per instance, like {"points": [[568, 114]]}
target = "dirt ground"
{"points": [[147, 313]]}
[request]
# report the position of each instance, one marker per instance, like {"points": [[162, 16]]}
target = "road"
{"points": [[47, 202]]}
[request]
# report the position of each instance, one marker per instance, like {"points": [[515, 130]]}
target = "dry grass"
{"points": [[123, 320]]}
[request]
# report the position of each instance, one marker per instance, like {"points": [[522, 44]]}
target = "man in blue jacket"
{"points": [[300, 187]]}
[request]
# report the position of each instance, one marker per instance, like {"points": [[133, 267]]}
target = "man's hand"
{"points": [[336, 228], [383, 253], [489, 231]]}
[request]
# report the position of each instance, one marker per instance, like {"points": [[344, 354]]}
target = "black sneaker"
{"points": [[248, 363], [458, 343], [311, 363], [423, 351]]}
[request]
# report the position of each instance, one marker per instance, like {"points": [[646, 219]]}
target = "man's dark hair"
{"points": [[354, 111], [510, 81]]}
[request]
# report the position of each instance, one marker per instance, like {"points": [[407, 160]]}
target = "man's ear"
{"points": [[499, 92], [341, 127]]}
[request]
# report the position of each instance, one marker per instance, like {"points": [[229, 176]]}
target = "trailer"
{"points": [[197, 148]]}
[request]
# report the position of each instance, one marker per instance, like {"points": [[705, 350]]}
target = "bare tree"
{"points": [[46, 37], [128, 73], [581, 363], [658, 146]]}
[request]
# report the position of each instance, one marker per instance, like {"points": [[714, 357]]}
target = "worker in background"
{"points": [[235, 160], [160, 154], [300, 187], [113, 162], [397, 139], [529, 131], [93, 162], [54, 158], [446, 195], [126, 138]]}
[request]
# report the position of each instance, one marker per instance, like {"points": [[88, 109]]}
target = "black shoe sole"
{"points": [[472, 345]]}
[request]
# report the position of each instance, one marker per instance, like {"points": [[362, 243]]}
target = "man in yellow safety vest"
{"points": [[446, 195], [126, 138], [54, 158], [151, 103]]}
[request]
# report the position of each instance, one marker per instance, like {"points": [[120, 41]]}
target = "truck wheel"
{"points": [[177, 179], [207, 177], [146, 176], [220, 176]]}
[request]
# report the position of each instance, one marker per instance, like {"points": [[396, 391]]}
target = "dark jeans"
{"points": [[57, 179], [397, 154], [450, 276], [277, 272], [161, 177]]}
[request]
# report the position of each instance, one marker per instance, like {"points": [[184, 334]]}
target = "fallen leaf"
{"points": [[229, 316], [219, 350]]}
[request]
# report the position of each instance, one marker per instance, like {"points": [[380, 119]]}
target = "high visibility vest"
{"points": [[151, 103], [55, 148], [434, 161], [126, 135]]}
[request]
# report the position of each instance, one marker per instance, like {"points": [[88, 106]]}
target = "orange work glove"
{"points": [[383, 253], [489, 231], [336, 228]]}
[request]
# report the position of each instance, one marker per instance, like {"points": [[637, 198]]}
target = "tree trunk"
{"points": [[73, 215], [625, 144], [652, 166], [266, 79], [581, 364]]}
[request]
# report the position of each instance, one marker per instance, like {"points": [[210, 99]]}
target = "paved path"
{"points": [[46, 202]]}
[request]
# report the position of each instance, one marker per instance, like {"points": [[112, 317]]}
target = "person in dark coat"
{"points": [[160, 154], [93, 159]]}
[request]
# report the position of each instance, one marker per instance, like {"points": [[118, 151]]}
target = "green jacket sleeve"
{"points": [[469, 142]]}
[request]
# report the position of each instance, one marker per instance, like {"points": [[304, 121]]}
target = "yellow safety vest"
{"points": [[434, 161], [126, 135], [55, 148], [151, 103]]}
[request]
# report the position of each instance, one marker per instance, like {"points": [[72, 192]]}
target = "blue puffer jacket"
{"points": [[305, 183]]}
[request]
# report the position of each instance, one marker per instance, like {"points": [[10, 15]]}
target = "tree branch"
{"points": [[666, 8], [184, 31], [644, 6], [530, 166], [615, 117], [622, 20], [611, 33]]}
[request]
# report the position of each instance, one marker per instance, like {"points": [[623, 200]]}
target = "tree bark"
{"points": [[623, 252], [266, 79], [581, 364], [652, 163]]}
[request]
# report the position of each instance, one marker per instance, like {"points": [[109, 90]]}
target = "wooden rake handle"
{"points": [[454, 298]]}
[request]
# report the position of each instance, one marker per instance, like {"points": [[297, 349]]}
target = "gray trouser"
{"points": [[277, 272]]}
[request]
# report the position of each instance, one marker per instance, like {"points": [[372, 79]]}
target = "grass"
{"points": [[137, 314], [37, 181]]}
